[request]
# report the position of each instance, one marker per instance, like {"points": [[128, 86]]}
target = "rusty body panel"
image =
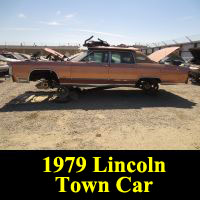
{"points": [[90, 73]]}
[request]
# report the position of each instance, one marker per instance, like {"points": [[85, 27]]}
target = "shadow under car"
{"points": [[97, 100]]}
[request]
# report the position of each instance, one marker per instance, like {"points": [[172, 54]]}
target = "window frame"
{"points": [[130, 52], [94, 61]]}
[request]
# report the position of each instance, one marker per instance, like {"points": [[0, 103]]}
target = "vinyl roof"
{"points": [[114, 48]]}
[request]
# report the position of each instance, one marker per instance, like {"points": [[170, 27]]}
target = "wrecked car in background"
{"points": [[194, 65], [52, 55], [99, 66], [169, 55], [13, 55], [4, 68]]}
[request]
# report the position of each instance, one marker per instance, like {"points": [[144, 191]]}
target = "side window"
{"points": [[97, 57], [122, 58], [116, 58], [140, 58]]}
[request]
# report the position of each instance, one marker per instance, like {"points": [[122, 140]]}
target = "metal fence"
{"points": [[10, 43], [181, 40], [185, 43]]}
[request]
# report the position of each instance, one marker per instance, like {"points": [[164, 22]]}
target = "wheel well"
{"points": [[150, 80], [43, 74]]}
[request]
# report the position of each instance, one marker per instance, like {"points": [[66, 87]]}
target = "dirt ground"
{"points": [[121, 118]]}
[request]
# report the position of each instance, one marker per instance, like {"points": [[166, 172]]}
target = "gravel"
{"points": [[120, 118]]}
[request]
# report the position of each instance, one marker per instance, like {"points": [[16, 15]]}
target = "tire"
{"points": [[66, 94], [150, 86], [63, 95]]}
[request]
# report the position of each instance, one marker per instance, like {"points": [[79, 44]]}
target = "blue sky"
{"points": [[117, 21]]}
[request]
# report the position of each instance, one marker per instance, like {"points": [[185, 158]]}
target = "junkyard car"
{"points": [[13, 55], [4, 68], [100, 66], [194, 65], [168, 55]]}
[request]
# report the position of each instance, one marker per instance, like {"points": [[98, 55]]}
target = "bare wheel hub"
{"points": [[43, 84]]}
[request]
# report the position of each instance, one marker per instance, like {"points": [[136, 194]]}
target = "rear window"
{"points": [[122, 58]]}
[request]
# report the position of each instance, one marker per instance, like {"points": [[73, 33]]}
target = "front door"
{"points": [[92, 69]]}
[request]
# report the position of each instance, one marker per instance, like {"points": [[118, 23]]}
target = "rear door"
{"points": [[122, 67], [91, 69]]}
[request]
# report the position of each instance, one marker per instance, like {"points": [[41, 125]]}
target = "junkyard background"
{"points": [[121, 118]]}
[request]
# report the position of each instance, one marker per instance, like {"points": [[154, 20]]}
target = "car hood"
{"points": [[55, 53], [162, 53]]}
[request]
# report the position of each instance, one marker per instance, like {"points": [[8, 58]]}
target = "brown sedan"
{"points": [[100, 66]]}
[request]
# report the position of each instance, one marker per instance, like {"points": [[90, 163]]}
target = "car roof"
{"points": [[113, 48]]}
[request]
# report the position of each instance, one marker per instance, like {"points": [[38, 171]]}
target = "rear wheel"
{"points": [[66, 94], [63, 94], [150, 87]]}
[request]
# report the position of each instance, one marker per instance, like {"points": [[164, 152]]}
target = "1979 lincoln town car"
{"points": [[100, 66]]}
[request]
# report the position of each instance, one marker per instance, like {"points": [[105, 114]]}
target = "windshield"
{"points": [[78, 57]]}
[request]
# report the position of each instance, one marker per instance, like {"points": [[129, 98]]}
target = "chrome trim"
{"points": [[22, 80], [99, 85]]}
